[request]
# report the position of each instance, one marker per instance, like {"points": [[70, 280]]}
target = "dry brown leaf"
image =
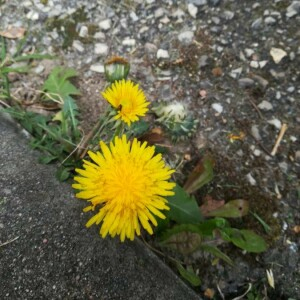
{"points": [[13, 32], [296, 229], [210, 204], [154, 136], [209, 293], [217, 71]]}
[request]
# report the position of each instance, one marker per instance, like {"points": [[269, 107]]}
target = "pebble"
{"points": [[291, 89], [270, 21], [84, 31], [199, 2], [129, 42], [277, 54], [293, 9], [260, 80], [159, 13], [265, 105], [97, 68], [236, 72], [161, 53], [105, 24], [257, 23], [99, 36], [193, 10], [217, 107], [254, 64], [255, 132], [216, 20], [186, 37], [39, 69], [203, 61], [276, 123], [228, 15], [250, 179], [32, 15], [78, 46], [150, 48], [262, 63], [101, 49], [133, 16], [246, 82], [257, 152], [283, 166], [249, 52], [278, 95]]}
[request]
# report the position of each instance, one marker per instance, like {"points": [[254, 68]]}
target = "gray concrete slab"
{"points": [[53, 255]]}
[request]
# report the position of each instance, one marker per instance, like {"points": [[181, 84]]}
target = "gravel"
{"points": [[245, 55]]}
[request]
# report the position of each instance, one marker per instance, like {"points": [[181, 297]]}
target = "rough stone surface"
{"points": [[53, 255]]}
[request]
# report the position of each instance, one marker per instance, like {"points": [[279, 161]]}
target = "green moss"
{"points": [[66, 27]]}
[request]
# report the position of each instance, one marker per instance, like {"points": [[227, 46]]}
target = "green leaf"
{"points": [[244, 239], [185, 238], [6, 70], [232, 209], [70, 110], [217, 252], [58, 83], [47, 159], [33, 56], [189, 274], [184, 208], [138, 128], [207, 227], [201, 175], [266, 227], [63, 173]]}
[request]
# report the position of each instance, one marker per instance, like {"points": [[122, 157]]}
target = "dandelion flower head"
{"points": [[128, 99], [128, 183]]}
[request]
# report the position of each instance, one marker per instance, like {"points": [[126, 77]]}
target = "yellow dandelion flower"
{"points": [[129, 183], [129, 101]]}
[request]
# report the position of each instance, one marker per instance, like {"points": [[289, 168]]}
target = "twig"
{"points": [[10, 241], [256, 108], [75, 149], [4, 104], [283, 129]]}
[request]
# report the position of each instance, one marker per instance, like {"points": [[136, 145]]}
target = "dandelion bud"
{"points": [[117, 68]]}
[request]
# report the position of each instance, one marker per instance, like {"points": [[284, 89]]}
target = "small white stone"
{"points": [[99, 36], [262, 63], [249, 52], [39, 69], [105, 24], [84, 31], [186, 37], [217, 107], [133, 16], [192, 9], [265, 105], [250, 178], [277, 54], [129, 42], [101, 49], [293, 138], [32, 15], [97, 68], [276, 123], [257, 152], [254, 64], [78, 46], [161, 53]]}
